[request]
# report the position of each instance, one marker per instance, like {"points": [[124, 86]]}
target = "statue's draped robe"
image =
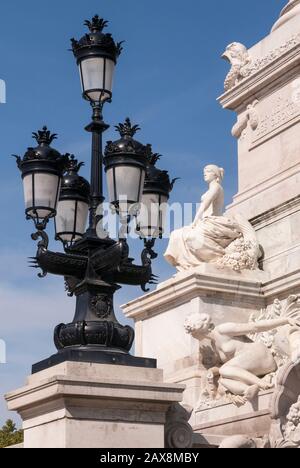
{"points": [[204, 243]]}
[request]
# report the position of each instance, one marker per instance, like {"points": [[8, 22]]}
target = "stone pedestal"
{"points": [[223, 420], [81, 405], [159, 319]]}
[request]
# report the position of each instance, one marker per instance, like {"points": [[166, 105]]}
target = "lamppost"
{"points": [[93, 267]]}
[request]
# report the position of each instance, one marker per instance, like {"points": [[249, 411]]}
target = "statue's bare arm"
{"points": [[242, 329]]}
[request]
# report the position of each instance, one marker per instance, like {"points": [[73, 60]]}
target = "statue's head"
{"points": [[213, 172], [235, 53], [198, 325]]}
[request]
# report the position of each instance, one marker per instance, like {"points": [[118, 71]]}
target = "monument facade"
{"points": [[233, 308]]}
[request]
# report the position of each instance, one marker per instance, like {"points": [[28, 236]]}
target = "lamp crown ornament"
{"points": [[44, 151], [126, 129], [73, 165], [156, 178], [97, 24], [73, 181], [96, 41], [127, 144], [44, 136], [153, 158]]}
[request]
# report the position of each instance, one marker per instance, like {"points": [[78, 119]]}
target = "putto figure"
{"points": [[212, 237]]}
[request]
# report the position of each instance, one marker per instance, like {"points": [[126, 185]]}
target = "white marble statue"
{"points": [[246, 364], [213, 237]]}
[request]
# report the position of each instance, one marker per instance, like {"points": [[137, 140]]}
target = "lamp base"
{"points": [[94, 356]]}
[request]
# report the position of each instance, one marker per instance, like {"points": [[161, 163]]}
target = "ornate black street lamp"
{"points": [[93, 267]]}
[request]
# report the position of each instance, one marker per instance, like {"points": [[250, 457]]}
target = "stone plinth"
{"points": [[81, 405], [159, 319], [223, 420]]}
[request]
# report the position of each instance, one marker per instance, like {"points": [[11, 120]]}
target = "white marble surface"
{"points": [[160, 316], [268, 153], [82, 405], [290, 11]]}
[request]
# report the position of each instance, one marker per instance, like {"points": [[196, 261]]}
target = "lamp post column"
{"points": [[97, 127]]}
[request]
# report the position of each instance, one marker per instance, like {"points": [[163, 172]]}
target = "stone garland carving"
{"points": [[243, 253], [250, 116], [243, 66], [250, 355]]}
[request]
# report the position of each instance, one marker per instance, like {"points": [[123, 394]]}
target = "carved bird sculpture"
{"points": [[237, 55]]}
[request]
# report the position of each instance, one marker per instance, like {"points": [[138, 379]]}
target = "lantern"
{"points": [[96, 54], [42, 169], [125, 166], [73, 205], [156, 193]]}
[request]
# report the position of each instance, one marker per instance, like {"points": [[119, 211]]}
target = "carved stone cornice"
{"points": [[263, 73], [204, 281], [279, 212]]}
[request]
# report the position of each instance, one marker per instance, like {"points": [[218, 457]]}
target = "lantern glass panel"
{"points": [[125, 184], [163, 211], [148, 218], [97, 78], [71, 219], [41, 193]]}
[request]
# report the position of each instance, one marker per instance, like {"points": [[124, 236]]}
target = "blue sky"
{"points": [[167, 80]]}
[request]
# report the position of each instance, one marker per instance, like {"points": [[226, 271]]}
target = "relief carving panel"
{"points": [[276, 113]]}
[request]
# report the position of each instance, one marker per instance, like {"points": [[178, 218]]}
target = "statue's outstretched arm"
{"points": [[242, 329]]}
